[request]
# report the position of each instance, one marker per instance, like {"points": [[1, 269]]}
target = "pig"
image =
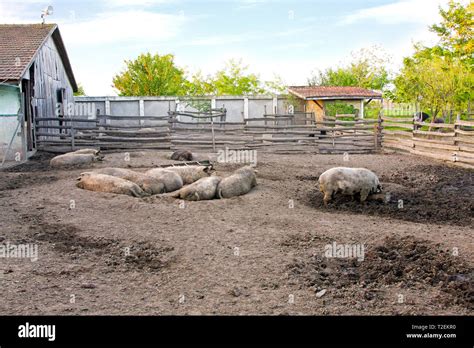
{"points": [[424, 117], [94, 152], [203, 189], [172, 181], [147, 183], [182, 155], [107, 183], [239, 183], [190, 174], [348, 181], [73, 159]]}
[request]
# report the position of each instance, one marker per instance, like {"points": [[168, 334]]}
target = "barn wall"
{"points": [[50, 76], [318, 112], [10, 101]]}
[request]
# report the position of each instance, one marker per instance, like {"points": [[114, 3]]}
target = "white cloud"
{"points": [[135, 3], [249, 4], [228, 39], [12, 12], [404, 11], [123, 27]]}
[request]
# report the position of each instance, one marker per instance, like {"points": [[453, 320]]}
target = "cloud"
{"points": [[249, 4], [14, 12], [405, 11], [136, 3], [243, 37], [123, 27]]}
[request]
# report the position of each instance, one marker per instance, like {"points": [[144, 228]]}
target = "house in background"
{"points": [[35, 75], [315, 98]]}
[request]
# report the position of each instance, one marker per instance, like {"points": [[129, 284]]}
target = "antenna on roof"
{"points": [[46, 12]]}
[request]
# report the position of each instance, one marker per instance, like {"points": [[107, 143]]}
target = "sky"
{"points": [[290, 39]]}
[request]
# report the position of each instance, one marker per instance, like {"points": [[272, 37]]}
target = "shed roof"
{"points": [[19, 44], [333, 92]]}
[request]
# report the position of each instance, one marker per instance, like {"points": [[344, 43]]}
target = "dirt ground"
{"points": [[262, 253]]}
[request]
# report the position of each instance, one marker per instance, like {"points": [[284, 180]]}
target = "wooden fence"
{"points": [[449, 142], [105, 132], [280, 133]]}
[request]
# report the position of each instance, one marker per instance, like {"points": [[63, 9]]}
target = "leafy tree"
{"points": [[367, 69], [441, 78], [158, 75], [437, 83], [151, 75], [80, 90], [456, 31], [234, 79]]}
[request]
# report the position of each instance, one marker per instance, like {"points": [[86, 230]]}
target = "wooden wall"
{"points": [[312, 106], [50, 76]]}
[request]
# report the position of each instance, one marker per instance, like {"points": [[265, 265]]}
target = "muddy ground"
{"points": [[262, 253]]}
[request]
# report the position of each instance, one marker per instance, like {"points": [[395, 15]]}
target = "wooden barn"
{"points": [[315, 98], [36, 81]]}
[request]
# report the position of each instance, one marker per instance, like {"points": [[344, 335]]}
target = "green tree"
{"points": [[441, 78], [151, 75], [80, 90], [438, 84], [456, 31], [367, 69], [234, 79]]}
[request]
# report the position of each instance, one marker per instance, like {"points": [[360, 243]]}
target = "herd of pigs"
{"points": [[188, 182], [198, 182]]}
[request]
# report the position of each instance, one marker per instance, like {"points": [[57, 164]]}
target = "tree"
{"points": [[441, 78], [151, 75], [456, 31], [233, 79], [80, 90], [367, 69], [437, 83]]}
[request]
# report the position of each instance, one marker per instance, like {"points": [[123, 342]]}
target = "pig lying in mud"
{"points": [[237, 184], [110, 184], [348, 181], [147, 183], [73, 159], [172, 181], [190, 174], [203, 189]]}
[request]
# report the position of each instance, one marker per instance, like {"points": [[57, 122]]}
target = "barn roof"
{"points": [[332, 93], [19, 44]]}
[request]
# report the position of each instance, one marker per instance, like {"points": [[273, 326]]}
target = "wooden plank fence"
{"points": [[448, 142], [281, 133], [105, 132]]}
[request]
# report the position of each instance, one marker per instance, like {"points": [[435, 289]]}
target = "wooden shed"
{"points": [[316, 97], [36, 80]]}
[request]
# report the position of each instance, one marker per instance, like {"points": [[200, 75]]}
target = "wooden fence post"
{"points": [[213, 135], [73, 145]]}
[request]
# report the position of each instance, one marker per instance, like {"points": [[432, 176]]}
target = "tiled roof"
{"points": [[19, 44], [329, 92]]}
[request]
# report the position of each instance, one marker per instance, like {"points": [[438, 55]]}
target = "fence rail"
{"points": [[448, 142], [289, 133]]}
